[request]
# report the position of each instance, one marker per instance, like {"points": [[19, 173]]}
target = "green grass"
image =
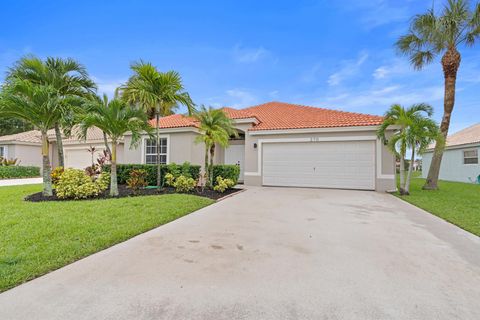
{"points": [[36, 238], [456, 202]]}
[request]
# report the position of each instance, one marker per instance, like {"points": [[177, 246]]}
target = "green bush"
{"points": [[10, 172], [226, 171], [169, 179], [186, 169], [103, 180], [56, 174], [76, 184], [222, 185], [184, 184]]}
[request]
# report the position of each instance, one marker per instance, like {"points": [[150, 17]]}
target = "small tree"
{"points": [[156, 92], [115, 119], [421, 132], [67, 77], [405, 133], [215, 127], [37, 105]]}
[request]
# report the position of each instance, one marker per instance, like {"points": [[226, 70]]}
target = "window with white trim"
{"points": [[3, 154], [151, 151], [470, 156]]}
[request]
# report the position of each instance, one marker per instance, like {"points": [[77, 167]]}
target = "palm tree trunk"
{"points": [[159, 167], [113, 171], [402, 172], [46, 169], [58, 136], [450, 64], [107, 147], [207, 171], [409, 174], [212, 154]]}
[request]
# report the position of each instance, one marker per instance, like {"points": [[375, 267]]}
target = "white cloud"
{"points": [[349, 69], [108, 86], [249, 55], [234, 98], [381, 99], [395, 67]]}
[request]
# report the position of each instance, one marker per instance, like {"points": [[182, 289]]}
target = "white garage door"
{"points": [[338, 164], [80, 158]]}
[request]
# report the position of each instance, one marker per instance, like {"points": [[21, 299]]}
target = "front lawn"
{"points": [[36, 238], [456, 202]]}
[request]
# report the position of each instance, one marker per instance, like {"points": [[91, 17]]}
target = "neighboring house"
{"points": [[27, 147], [460, 160], [282, 144]]}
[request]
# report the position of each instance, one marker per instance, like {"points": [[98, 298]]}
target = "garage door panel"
{"points": [[339, 164]]}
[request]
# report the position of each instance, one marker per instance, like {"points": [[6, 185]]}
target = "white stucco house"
{"points": [[279, 144], [460, 160]]}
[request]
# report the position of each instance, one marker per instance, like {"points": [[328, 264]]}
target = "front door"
{"points": [[235, 154]]}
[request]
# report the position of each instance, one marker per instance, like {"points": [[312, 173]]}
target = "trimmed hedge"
{"points": [[13, 172], [226, 171], [186, 169]]}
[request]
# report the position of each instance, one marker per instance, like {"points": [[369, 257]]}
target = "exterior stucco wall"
{"points": [[181, 147], [27, 155], [385, 161], [452, 167]]}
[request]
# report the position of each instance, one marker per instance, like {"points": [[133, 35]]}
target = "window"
{"points": [[2, 152], [151, 151], [470, 157]]}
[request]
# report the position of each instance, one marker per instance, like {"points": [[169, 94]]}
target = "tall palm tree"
{"points": [[115, 119], [215, 127], [431, 35], [421, 132], [69, 79], [37, 105], [402, 119], [156, 92]]}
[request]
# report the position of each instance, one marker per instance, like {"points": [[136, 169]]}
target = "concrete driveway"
{"points": [[272, 253]]}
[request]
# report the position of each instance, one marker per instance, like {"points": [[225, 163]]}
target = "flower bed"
{"points": [[124, 191]]}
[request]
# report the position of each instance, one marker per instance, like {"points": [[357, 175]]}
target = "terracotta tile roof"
{"points": [[466, 136], [34, 136], [280, 115], [237, 114], [175, 121]]}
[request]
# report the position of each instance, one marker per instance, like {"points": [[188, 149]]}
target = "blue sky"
{"points": [[335, 54]]}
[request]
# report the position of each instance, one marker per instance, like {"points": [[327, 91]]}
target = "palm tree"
{"points": [[115, 119], [68, 77], [421, 132], [156, 92], [431, 35], [37, 105], [215, 127], [402, 119]]}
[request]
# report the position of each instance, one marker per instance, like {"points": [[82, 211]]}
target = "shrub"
{"points": [[76, 184], [10, 172], [184, 184], [223, 184], [169, 179], [56, 174], [103, 180], [8, 162], [123, 171], [226, 171], [137, 180]]}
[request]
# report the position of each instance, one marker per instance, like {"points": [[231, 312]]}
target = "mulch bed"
{"points": [[124, 191]]}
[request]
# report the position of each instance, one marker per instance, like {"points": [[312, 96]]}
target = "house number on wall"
{"points": [[314, 139]]}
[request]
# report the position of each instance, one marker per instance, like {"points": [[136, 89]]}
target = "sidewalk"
{"points": [[18, 182]]}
